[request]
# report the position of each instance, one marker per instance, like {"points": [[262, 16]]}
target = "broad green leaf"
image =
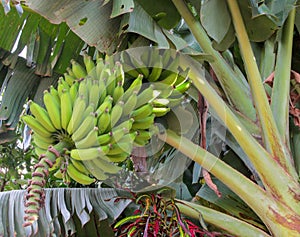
{"points": [[260, 27], [227, 41], [215, 18], [10, 25], [281, 8], [165, 13], [19, 86]]}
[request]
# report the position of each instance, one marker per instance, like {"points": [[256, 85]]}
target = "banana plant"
{"points": [[255, 97]]}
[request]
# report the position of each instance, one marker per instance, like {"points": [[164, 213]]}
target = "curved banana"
{"points": [[98, 173], [142, 112], [160, 111], [53, 109], [146, 96], [89, 63], [79, 165], [119, 157], [90, 140], [66, 108], [78, 70], [104, 122], [79, 107], [77, 176], [36, 126], [116, 113], [106, 166], [130, 104], [90, 153], [41, 115], [86, 126], [144, 123], [118, 92]]}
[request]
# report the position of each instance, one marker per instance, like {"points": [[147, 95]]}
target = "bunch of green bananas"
{"points": [[89, 124], [162, 69]]}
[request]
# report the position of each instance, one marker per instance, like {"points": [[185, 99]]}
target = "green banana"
{"points": [[69, 79], [182, 77], [94, 94], [89, 109], [66, 109], [74, 91], [85, 127], [79, 166], [99, 67], [156, 70], [118, 148], [57, 164], [106, 105], [99, 174], [49, 140], [118, 92], [79, 107], [140, 67], [36, 126], [111, 84], [116, 113], [160, 102], [183, 87], [142, 112], [136, 85], [106, 166], [39, 151], [90, 153], [53, 109], [90, 140], [89, 63], [130, 104], [40, 143], [146, 96], [59, 174], [126, 125], [41, 115], [104, 121], [102, 91], [78, 70], [79, 177], [161, 111], [144, 123], [70, 72], [83, 89], [105, 138], [127, 66], [119, 157], [119, 73], [170, 79], [54, 93], [117, 134]]}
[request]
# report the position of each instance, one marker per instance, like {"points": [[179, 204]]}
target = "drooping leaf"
{"points": [[18, 87], [84, 18], [260, 27], [218, 23], [60, 202], [165, 13], [121, 7]]}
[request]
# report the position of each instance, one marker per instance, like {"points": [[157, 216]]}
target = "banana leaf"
{"points": [[66, 212]]}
